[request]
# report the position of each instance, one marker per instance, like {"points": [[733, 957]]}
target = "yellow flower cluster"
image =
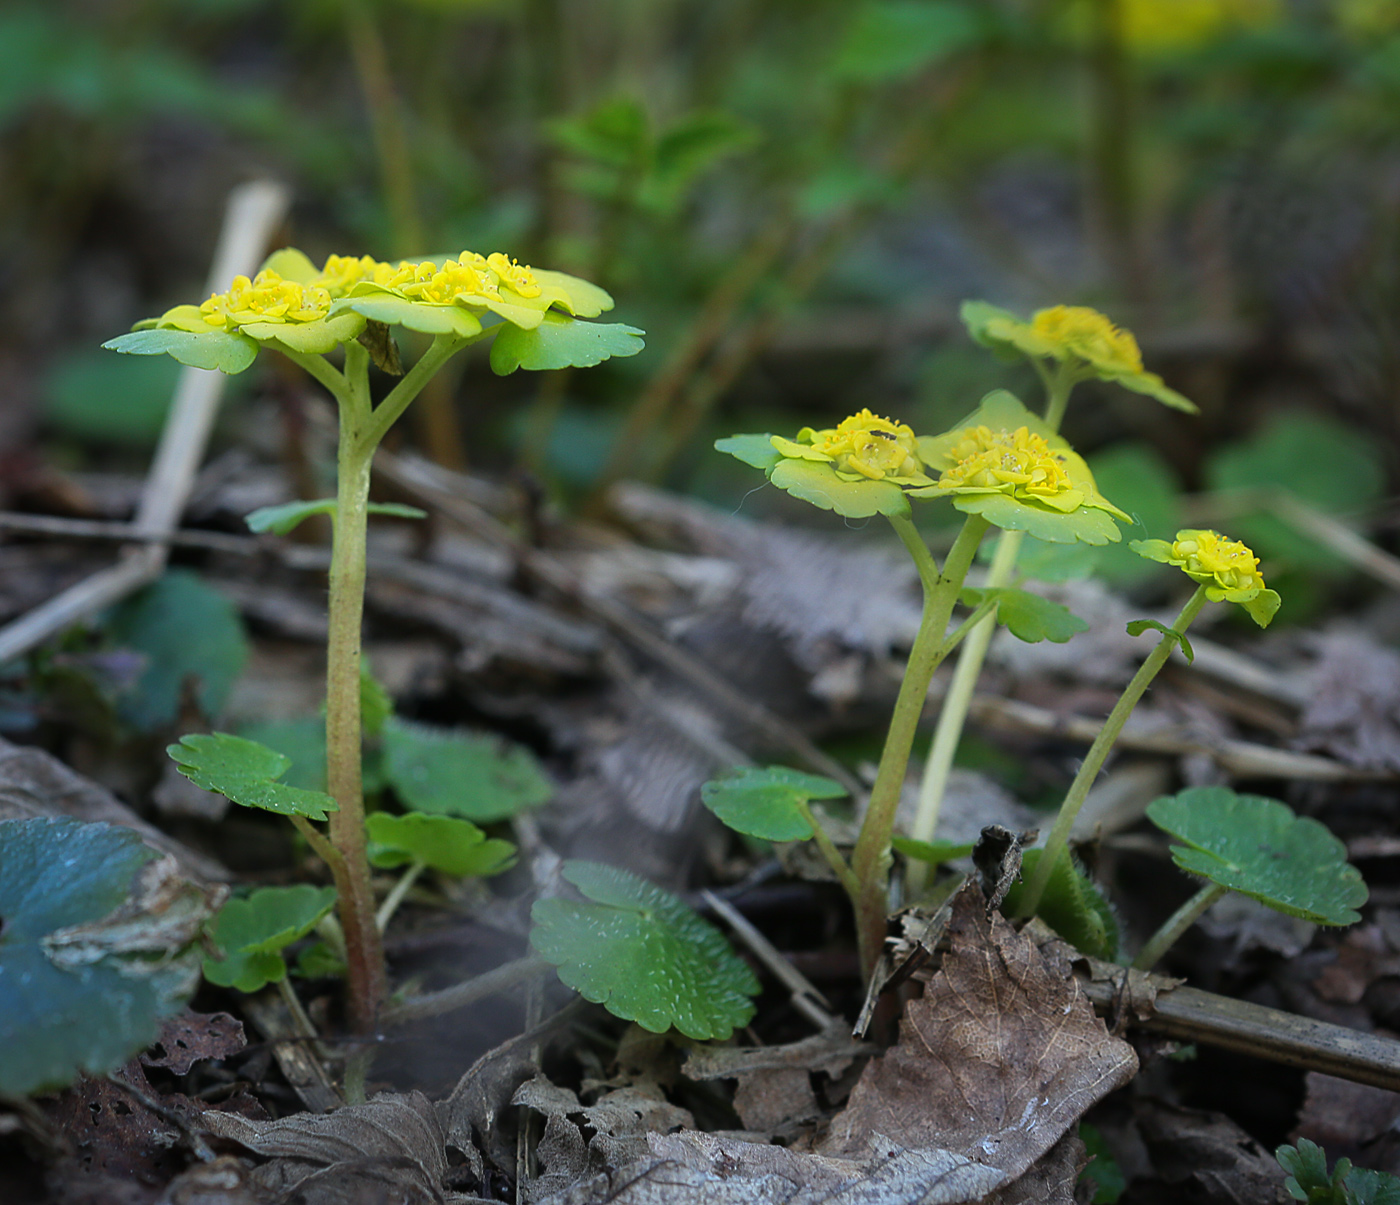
{"points": [[269, 297], [1089, 335], [1019, 459], [1230, 563], [266, 298], [872, 446]]}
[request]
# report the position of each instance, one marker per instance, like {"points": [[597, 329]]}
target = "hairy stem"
{"points": [[1098, 751], [364, 950], [871, 858], [1177, 924]]}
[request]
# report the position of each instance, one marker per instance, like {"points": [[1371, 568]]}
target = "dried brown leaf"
{"points": [[1353, 708], [997, 1060], [1205, 1157], [189, 1037], [390, 1148], [1051, 1180]]}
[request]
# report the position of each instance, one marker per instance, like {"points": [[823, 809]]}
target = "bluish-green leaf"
{"points": [[467, 774], [1137, 627], [644, 955], [227, 352], [1258, 847], [284, 518], [247, 773], [768, 803], [117, 399], [188, 633], [1027, 616], [444, 843], [252, 931], [560, 342], [60, 1017]]}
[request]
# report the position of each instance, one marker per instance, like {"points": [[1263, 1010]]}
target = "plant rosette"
{"points": [[1227, 569], [860, 467], [292, 305], [1083, 340], [1005, 464]]}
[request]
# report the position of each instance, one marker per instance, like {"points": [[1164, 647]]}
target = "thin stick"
{"points": [[805, 997], [254, 212], [503, 978]]}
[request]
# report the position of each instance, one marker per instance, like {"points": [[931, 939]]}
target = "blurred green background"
{"points": [[790, 196]]}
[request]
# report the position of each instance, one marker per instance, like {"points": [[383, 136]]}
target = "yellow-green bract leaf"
{"points": [[246, 772], [766, 803], [291, 264], [559, 342], [253, 931], [227, 352], [818, 483], [755, 450], [380, 305], [644, 955], [1073, 905], [58, 1019], [467, 774], [1027, 616], [284, 518], [313, 338], [581, 298], [935, 853], [1089, 522], [1258, 847], [445, 843]]}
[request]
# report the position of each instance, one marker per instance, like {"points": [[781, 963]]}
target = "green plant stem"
{"points": [[323, 848], [395, 897], [952, 717], [870, 860], [368, 983], [953, 714], [1177, 924], [1098, 752], [838, 864], [442, 349]]}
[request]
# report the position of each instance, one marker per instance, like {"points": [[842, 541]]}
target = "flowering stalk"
{"points": [[870, 859], [1098, 751]]}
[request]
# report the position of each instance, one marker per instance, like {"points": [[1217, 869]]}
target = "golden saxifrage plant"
{"points": [[334, 321]]}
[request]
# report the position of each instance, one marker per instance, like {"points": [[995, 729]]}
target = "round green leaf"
{"points": [[560, 342], [89, 1016], [817, 482], [768, 803], [227, 352], [415, 315], [1258, 847], [246, 772], [644, 955], [253, 930], [445, 843], [156, 622], [1085, 525], [471, 775], [935, 853]]}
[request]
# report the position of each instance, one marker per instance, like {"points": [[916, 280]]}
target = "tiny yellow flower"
{"points": [[1083, 340], [1227, 568], [265, 298], [1076, 330], [1018, 462], [863, 446]]}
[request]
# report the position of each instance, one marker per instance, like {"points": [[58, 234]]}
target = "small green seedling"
{"points": [[333, 321], [1308, 1179], [420, 842], [252, 931], [643, 954], [1258, 847], [86, 974]]}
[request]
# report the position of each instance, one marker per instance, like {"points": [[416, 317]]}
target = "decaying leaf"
{"points": [[1353, 709], [714, 1169], [997, 1060], [186, 1039], [390, 1148], [1205, 1156], [1051, 1180]]}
